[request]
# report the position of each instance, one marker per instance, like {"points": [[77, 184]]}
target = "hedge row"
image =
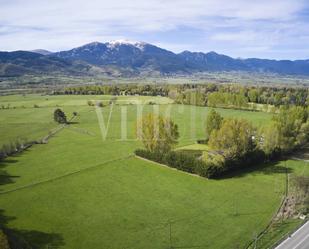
{"points": [[14, 147], [189, 163], [182, 161], [19, 146]]}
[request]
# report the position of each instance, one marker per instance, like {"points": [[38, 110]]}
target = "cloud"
{"points": [[210, 24]]}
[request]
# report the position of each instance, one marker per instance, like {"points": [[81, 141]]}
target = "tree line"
{"points": [[118, 89], [203, 94], [213, 95]]}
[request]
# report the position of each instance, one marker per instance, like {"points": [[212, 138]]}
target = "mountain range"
{"points": [[125, 58]]}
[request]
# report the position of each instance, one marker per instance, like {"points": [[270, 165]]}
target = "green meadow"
{"points": [[82, 190]]}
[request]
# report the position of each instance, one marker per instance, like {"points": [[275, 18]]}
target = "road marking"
{"points": [[287, 240], [301, 241]]}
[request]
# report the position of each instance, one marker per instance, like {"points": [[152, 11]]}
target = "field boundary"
{"points": [[52, 133], [283, 200], [81, 131], [166, 166], [63, 176], [43, 140]]}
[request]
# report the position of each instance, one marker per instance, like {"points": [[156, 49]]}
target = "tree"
{"points": [[59, 116], [157, 133], [234, 138], [269, 138], [303, 135], [290, 123], [253, 95], [288, 130], [226, 99], [213, 122]]}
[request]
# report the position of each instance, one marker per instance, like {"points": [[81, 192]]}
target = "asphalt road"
{"points": [[298, 240]]}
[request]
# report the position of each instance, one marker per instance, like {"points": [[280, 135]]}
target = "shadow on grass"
{"points": [[23, 239], [6, 178], [72, 122], [33, 239], [301, 154], [265, 168], [28, 239]]}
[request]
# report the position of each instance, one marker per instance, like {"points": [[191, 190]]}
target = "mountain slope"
{"points": [[125, 58], [217, 62], [298, 67], [18, 63], [140, 57], [212, 61], [41, 51], [136, 55]]}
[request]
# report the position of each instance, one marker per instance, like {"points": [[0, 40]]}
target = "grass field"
{"points": [[24, 121], [283, 228], [79, 191]]}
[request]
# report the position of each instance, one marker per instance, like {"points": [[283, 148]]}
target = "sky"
{"points": [[275, 29]]}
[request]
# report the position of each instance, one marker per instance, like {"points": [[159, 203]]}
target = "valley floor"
{"points": [[80, 191]]}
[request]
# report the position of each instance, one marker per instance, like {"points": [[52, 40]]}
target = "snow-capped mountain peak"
{"points": [[137, 44]]}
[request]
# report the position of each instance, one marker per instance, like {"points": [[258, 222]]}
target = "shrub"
{"points": [[90, 103], [10, 148], [185, 162], [212, 165], [179, 160], [18, 145], [100, 104], [201, 168], [170, 159], [214, 171], [7, 149], [154, 156]]}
